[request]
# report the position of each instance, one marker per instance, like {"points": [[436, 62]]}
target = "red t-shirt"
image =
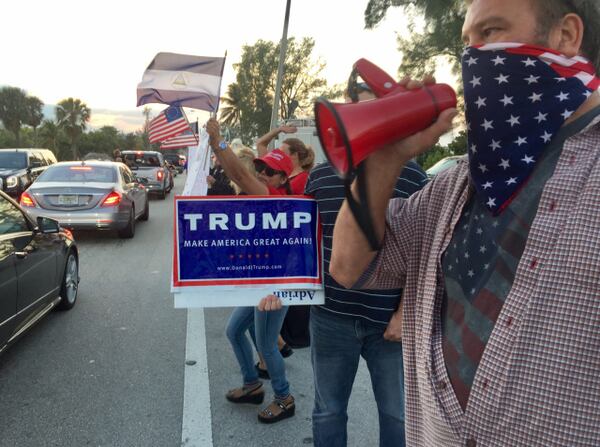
{"points": [[298, 183], [281, 191]]}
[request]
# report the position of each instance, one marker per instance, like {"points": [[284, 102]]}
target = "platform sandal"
{"points": [[278, 410], [253, 394]]}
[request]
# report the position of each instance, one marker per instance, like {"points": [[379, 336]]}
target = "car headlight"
{"points": [[12, 182]]}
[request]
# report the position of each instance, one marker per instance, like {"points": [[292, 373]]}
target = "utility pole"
{"points": [[282, 51]]}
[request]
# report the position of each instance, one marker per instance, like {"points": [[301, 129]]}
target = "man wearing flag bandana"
{"points": [[499, 257]]}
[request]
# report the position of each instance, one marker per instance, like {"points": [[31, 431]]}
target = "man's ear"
{"points": [[567, 36]]}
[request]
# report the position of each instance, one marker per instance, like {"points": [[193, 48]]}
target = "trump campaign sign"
{"points": [[234, 250]]}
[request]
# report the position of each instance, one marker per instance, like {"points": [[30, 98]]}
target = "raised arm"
{"points": [[233, 167], [352, 253], [262, 144]]}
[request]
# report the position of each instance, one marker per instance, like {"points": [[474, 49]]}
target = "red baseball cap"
{"points": [[278, 160]]}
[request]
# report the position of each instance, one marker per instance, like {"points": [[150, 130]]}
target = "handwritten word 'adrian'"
{"points": [[245, 222], [289, 294]]}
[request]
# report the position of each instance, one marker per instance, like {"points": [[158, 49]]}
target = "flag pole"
{"points": [[282, 52]]}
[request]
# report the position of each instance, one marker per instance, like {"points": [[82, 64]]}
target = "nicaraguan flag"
{"points": [[182, 80]]}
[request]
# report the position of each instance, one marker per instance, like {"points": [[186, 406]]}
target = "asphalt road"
{"points": [[112, 371]]}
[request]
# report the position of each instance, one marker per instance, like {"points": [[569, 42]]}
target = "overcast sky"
{"points": [[98, 50]]}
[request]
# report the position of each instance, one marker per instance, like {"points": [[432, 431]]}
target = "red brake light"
{"points": [[112, 199], [27, 200], [80, 168], [159, 175]]}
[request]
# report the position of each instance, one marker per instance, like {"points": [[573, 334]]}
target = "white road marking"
{"points": [[196, 430]]}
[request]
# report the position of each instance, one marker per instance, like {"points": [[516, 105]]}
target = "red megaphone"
{"points": [[350, 132]]}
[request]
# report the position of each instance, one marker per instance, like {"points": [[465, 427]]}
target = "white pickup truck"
{"points": [[151, 166]]}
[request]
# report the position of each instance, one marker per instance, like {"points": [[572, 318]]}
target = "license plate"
{"points": [[67, 199]]}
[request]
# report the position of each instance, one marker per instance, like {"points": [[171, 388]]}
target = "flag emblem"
{"points": [[179, 81]]}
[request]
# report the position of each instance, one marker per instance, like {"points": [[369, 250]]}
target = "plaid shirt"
{"points": [[538, 382]]}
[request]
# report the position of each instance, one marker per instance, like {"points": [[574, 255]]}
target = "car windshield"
{"points": [[79, 173], [13, 160], [141, 159], [441, 165]]}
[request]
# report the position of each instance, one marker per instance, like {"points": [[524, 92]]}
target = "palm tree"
{"points": [[72, 116], [34, 115], [49, 131], [13, 110], [231, 112]]}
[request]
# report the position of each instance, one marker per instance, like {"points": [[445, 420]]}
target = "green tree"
{"points": [[34, 115], [103, 140], [249, 100], [6, 139], [49, 133], [440, 36], [302, 79], [13, 110], [254, 78], [72, 116], [458, 146]]}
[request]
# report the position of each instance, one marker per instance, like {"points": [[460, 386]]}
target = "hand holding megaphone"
{"points": [[349, 133], [402, 121]]}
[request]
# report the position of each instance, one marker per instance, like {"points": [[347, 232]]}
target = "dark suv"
{"points": [[20, 167]]}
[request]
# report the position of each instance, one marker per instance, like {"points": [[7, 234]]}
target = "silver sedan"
{"points": [[89, 195]]}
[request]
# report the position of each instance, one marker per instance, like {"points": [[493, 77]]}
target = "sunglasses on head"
{"points": [[354, 87], [268, 171]]}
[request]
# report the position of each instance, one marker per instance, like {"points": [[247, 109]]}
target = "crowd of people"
{"points": [[479, 314]]}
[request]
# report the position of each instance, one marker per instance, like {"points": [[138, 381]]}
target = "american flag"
{"points": [[186, 139], [518, 96], [169, 123]]}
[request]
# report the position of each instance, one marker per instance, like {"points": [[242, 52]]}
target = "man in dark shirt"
{"points": [[355, 323], [218, 182]]}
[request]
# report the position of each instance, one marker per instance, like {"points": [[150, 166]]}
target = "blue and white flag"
{"points": [[182, 80]]}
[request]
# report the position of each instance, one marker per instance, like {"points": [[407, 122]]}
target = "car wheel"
{"points": [[129, 231], [70, 283], [146, 214], [162, 195]]}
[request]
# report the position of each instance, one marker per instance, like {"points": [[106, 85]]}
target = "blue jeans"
{"points": [[267, 326], [337, 343]]}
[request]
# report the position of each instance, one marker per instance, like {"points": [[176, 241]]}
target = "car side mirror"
{"points": [[36, 164], [46, 225]]}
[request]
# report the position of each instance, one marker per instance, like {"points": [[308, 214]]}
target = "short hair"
{"points": [[551, 11]]}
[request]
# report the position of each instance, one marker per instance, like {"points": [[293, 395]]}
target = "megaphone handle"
{"points": [[363, 218]]}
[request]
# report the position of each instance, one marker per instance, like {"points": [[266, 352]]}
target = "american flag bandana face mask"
{"points": [[517, 97]]}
